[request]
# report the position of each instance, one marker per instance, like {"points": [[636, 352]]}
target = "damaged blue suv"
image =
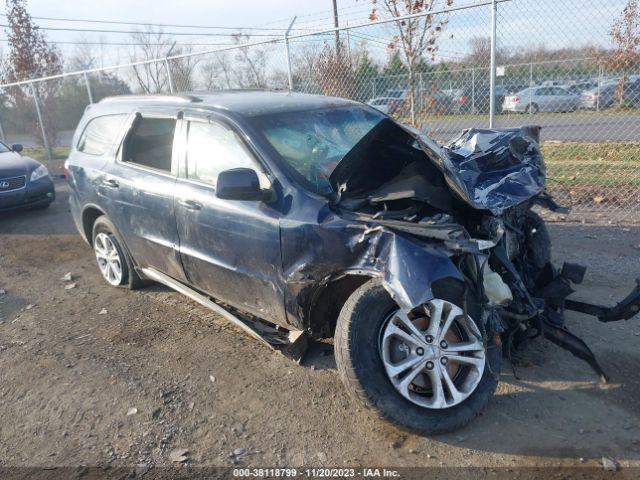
{"points": [[300, 216]]}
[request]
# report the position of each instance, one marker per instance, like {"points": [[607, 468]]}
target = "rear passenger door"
{"points": [[563, 100], [229, 248], [632, 93], [140, 186], [544, 99]]}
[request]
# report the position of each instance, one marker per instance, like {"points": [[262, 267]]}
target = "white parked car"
{"points": [[385, 104], [541, 99]]}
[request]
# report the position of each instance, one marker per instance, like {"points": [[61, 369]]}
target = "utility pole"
{"points": [[492, 78], [166, 64], [286, 46], [336, 25]]}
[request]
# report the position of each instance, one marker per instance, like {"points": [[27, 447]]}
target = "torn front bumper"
{"points": [[555, 286], [623, 310]]}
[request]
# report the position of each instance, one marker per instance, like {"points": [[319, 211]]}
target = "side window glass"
{"points": [[151, 143], [213, 148], [100, 134]]}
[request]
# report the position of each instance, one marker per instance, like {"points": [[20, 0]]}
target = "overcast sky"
{"points": [[200, 12], [551, 23]]}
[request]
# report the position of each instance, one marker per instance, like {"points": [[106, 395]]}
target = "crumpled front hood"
{"points": [[495, 169], [489, 169]]}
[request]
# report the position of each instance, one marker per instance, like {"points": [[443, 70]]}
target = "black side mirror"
{"points": [[16, 147], [239, 184]]}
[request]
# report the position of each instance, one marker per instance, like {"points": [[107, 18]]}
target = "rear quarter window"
{"points": [[100, 134], [150, 143]]}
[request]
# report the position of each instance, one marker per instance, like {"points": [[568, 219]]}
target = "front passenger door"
{"points": [[544, 99], [229, 248]]}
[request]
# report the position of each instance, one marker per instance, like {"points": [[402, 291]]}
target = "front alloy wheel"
{"points": [[435, 360], [108, 257], [428, 370]]}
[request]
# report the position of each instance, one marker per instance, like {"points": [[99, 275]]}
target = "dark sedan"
{"points": [[24, 182], [478, 100]]}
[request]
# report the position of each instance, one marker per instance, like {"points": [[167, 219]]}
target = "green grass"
{"points": [[568, 163], [447, 117], [613, 163], [58, 156]]}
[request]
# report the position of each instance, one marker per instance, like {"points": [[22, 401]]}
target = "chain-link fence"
{"points": [[552, 66]]}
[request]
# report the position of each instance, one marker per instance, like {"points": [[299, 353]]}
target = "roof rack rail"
{"points": [[229, 90], [152, 98]]}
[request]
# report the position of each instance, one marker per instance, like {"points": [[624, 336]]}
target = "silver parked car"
{"points": [[605, 97], [541, 99], [598, 97], [385, 104]]}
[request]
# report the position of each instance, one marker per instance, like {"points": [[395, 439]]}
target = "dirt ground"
{"points": [[74, 362]]}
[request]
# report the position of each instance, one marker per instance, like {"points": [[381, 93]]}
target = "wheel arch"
{"points": [[90, 214], [330, 296], [328, 299]]}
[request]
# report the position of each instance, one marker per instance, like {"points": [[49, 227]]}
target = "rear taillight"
{"points": [[66, 169], [515, 99], [463, 99], [392, 104]]}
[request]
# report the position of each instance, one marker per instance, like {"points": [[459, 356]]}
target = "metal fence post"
{"points": [[530, 87], [2, 133], [599, 82], [473, 90], [45, 140], [88, 84], [492, 79], [166, 64], [286, 47], [347, 31]]}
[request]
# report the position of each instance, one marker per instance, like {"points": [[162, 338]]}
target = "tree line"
{"points": [[341, 68]]}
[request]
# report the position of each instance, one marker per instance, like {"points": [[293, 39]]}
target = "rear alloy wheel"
{"points": [[427, 371], [532, 108], [115, 265], [109, 259]]}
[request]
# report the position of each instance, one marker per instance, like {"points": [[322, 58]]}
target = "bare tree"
{"points": [[480, 52], [150, 44], [243, 67], [625, 34], [83, 56], [216, 72], [250, 63], [416, 36], [333, 72], [183, 68], [30, 56], [304, 61]]}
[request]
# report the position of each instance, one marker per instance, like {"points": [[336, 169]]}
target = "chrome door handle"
{"points": [[190, 204], [110, 183]]}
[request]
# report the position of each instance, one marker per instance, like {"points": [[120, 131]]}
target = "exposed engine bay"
{"points": [[475, 196]]}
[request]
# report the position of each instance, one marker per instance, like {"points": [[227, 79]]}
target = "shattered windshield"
{"points": [[312, 143]]}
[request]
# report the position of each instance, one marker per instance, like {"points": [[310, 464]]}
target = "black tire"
{"points": [[130, 279], [362, 371], [537, 240], [532, 108], [43, 206]]}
